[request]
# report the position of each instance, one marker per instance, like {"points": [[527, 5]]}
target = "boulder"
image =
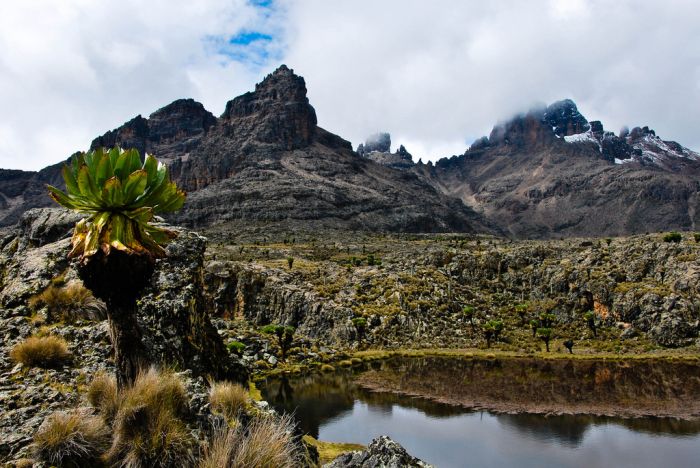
{"points": [[382, 452]]}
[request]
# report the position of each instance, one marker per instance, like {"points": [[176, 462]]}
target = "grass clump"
{"points": [[76, 439], [41, 351], [103, 396], [264, 443], [228, 399], [69, 303], [327, 368], [148, 426]]}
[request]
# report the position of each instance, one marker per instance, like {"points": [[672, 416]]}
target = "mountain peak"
{"points": [[278, 108], [565, 119]]}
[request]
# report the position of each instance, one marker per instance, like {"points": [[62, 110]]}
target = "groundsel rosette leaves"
{"points": [[121, 196]]}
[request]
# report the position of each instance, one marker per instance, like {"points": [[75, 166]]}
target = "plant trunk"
{"points": [[119, 279], [126, 341], [546, 343]]}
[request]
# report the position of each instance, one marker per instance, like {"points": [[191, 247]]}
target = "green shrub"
{"points": [[44, 351], [75, 439], [235, 347], [228, 399], [673, 237]]}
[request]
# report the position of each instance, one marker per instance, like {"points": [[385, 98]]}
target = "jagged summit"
{"points": [[564, 118], [281, 110]]}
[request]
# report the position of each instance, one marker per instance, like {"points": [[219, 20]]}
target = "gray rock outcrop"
{"points": [[382, 452]]}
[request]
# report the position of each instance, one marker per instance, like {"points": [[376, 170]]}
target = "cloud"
{"points": [[73, 69], [436, 75]]}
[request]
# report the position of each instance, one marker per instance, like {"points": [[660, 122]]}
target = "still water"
{"points": [[334, 407]]}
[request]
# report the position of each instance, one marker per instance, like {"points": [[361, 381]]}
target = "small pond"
{"points": [[464, 412]]}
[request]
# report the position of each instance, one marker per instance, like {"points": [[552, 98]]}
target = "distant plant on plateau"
{"points": [[534, 325], [569, 344], [521, 310], [673, 237], [372, 261], [285, 337], [290, 262], [235, 347], [360, 324], [492, 330], [469, 312], [546, 320], [608, 241], [589, 317], [696, 236], [545, 334], [116, 244]]}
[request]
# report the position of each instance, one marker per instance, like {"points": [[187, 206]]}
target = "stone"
{"points": [[382, 452]]}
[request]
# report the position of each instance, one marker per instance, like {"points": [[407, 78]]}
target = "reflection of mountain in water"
{"points": [[568, 430], [547, 386], [319, 398]]}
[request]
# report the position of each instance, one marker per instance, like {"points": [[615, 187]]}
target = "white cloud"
{"points": [[434, 74], [445, 71], [72, 69]]}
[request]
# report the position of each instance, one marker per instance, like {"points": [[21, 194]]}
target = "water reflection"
{"points": [[335, 407]]}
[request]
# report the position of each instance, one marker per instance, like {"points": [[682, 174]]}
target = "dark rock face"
{"points": [[277, 112], [565, 119], [170, 132], [382, 452]]}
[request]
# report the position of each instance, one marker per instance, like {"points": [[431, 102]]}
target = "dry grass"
{"points": [[44, 351], [264, 443], [228, 399], [148, 426], [103, 396], [75, 439], [69, 303]]}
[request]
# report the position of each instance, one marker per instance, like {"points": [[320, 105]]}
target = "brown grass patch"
{"points": [[44, 351], [71, 439], [69, 303], [264, 443], [228, 399]]}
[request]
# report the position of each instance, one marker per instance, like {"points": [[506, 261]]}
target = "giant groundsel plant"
{"points": [[121, 196]]}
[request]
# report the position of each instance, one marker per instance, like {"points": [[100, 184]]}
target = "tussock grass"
{"points": [[228, 399], [148, 426], [75, 439], [41, 351], [69, 303], [264, 443], [103, 396]]}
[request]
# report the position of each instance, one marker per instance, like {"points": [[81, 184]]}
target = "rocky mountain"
{"points": [[265, 162], [551, 173]]}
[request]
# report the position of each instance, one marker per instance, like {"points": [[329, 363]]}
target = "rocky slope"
{"points": [[551, 173], [642, 290]]}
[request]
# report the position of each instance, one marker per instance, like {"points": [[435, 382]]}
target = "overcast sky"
{"points": [[435, 74]]}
